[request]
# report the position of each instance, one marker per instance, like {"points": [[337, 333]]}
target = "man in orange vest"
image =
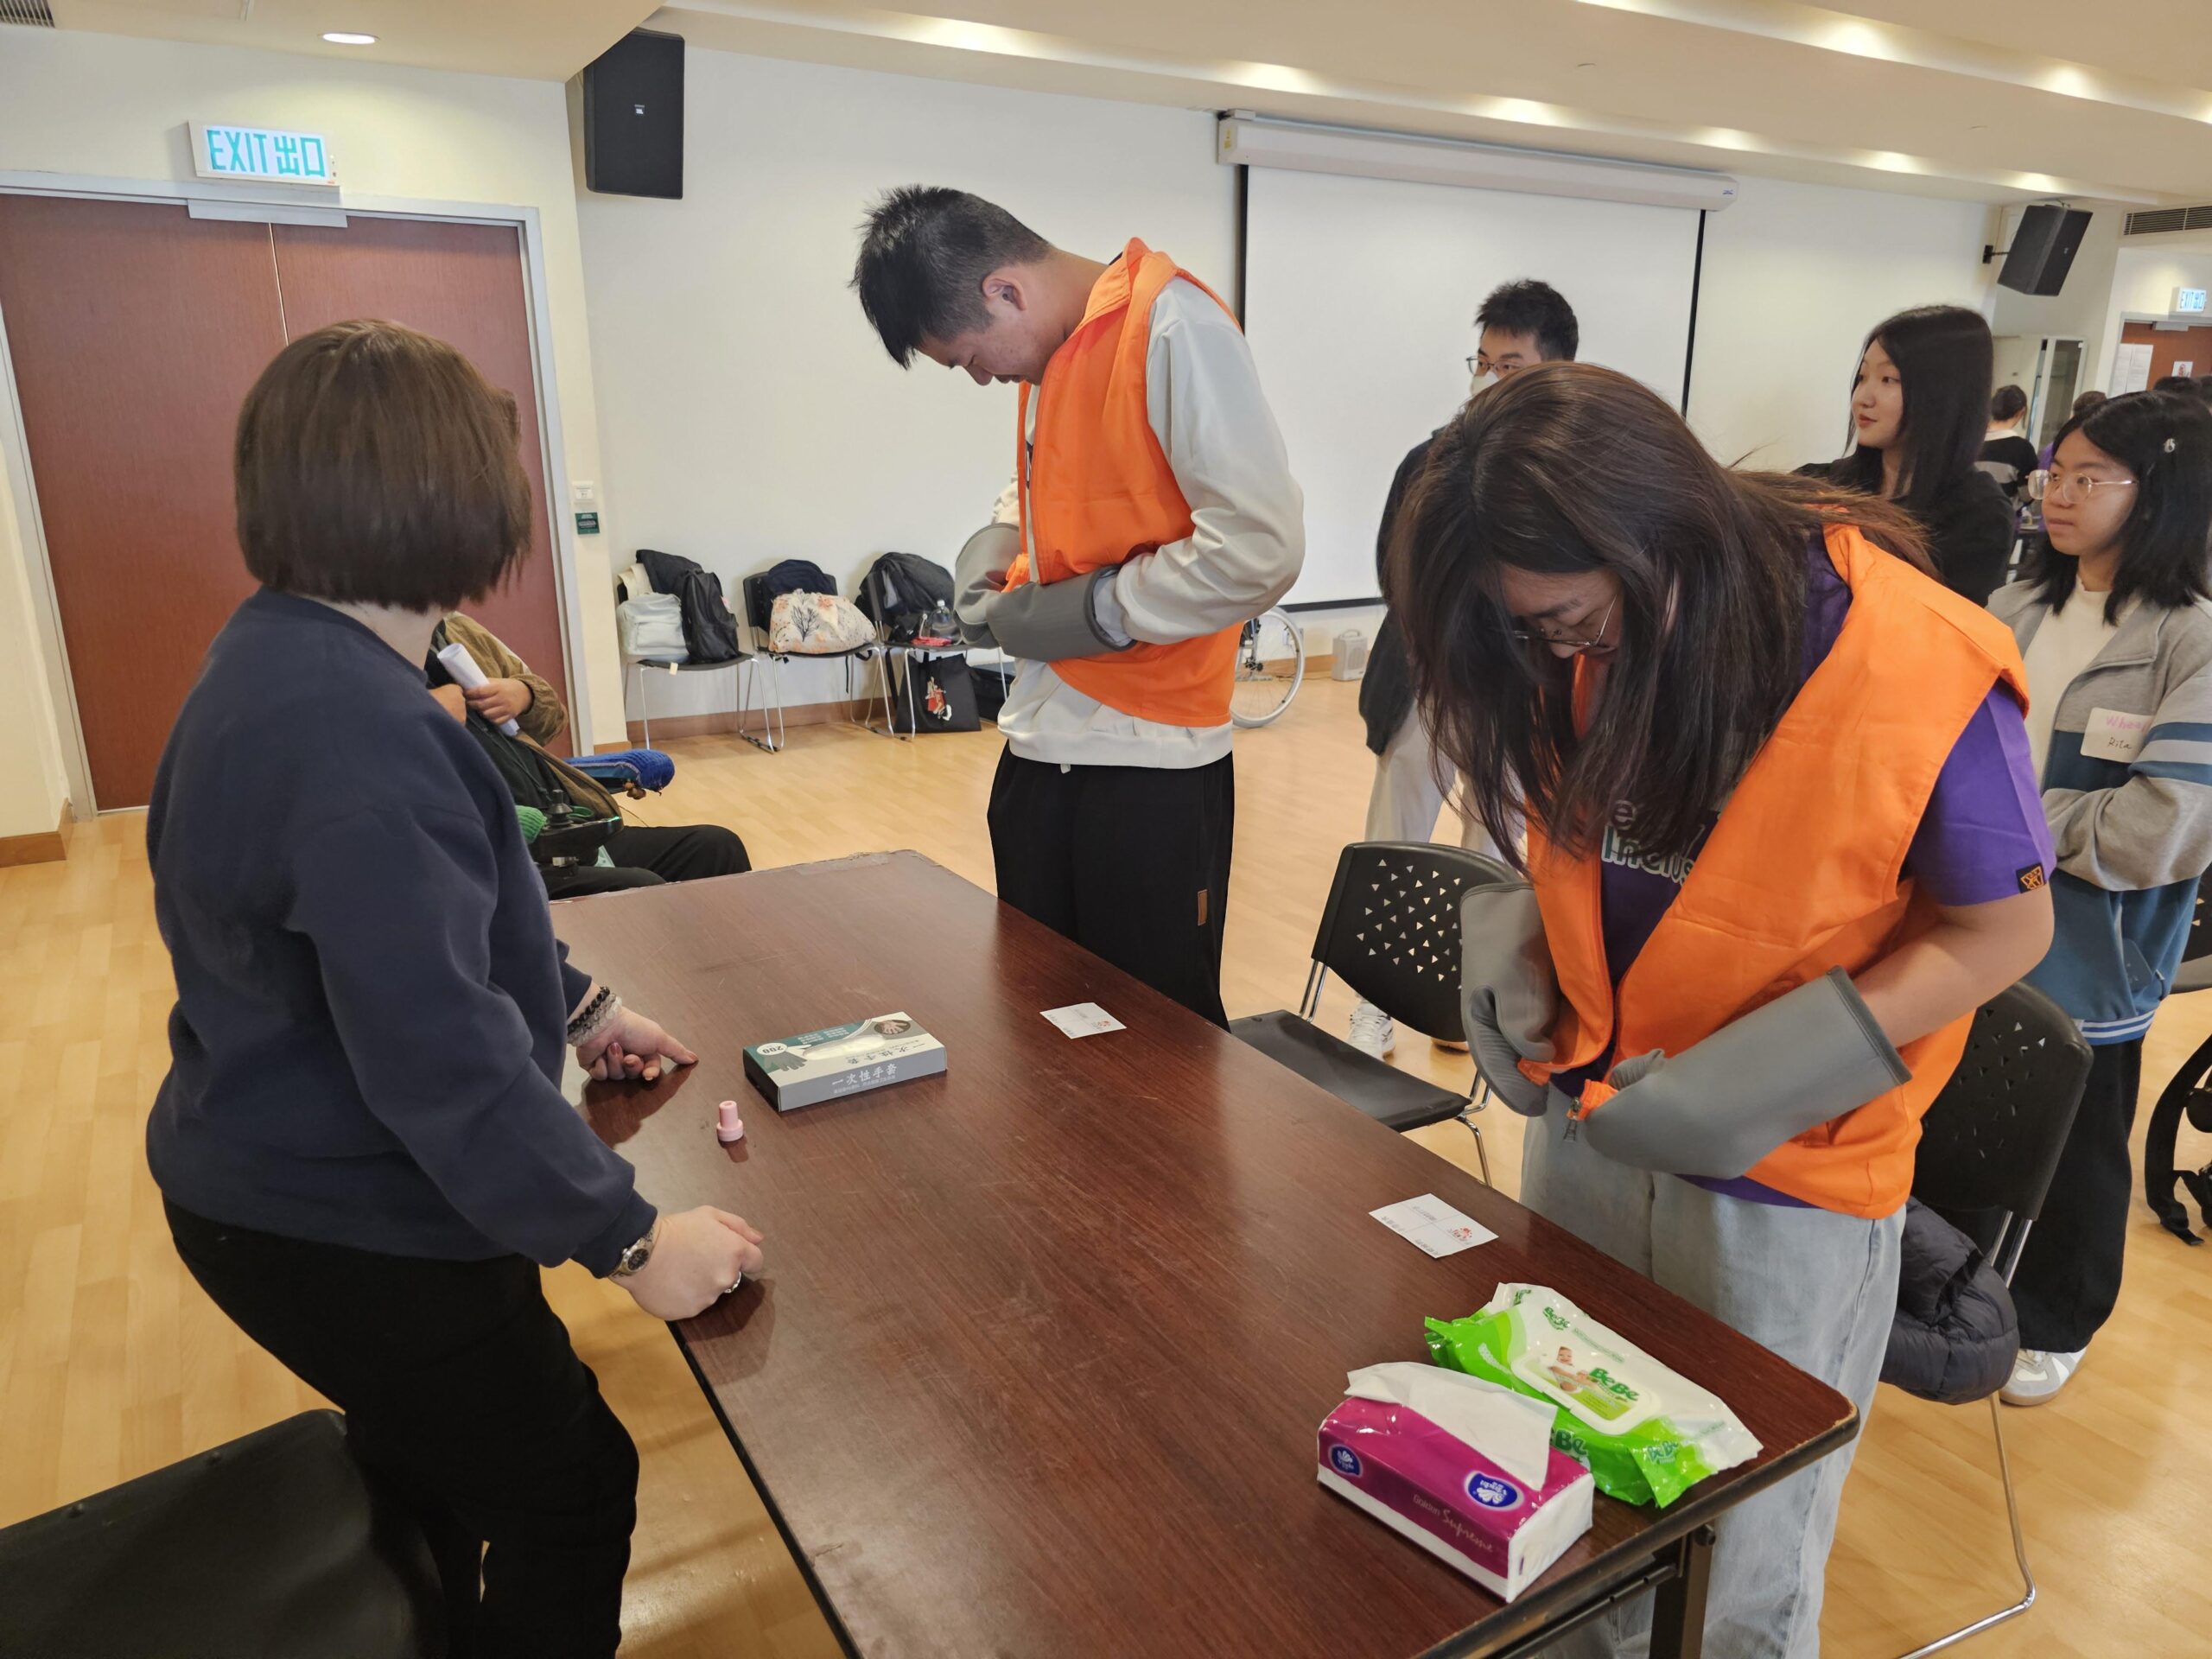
{"points": [[1157, 516]]}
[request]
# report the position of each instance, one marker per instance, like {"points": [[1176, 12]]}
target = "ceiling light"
{"points": [[340, 37]]}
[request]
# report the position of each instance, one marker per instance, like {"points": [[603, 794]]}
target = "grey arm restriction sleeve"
{"points": [[1509, 997], [1719, 1106]]}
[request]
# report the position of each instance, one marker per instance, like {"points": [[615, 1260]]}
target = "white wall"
{"points": [[30, 747], [748, 413], [108, 107], [1794, 276], [2144, 275]]}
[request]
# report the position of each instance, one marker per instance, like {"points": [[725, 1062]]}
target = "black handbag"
{"points": [[938, 695]]}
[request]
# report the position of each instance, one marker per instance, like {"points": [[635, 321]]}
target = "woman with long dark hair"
{"points": [[1772, 874], [1919, 409], [2114, 621]]}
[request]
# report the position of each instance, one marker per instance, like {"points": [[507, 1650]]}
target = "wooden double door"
{"points": [[136, 331]]}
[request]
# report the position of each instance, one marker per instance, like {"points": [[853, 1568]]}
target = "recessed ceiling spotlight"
{"points": [[340, 37]]}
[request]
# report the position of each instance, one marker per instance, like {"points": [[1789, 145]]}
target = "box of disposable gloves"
{"points": [[1463, 1468]]}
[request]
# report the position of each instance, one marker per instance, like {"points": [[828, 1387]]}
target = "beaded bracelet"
{"points": [[594, 1017]]}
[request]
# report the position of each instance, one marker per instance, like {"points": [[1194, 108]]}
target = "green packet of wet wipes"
{"points": [[1647, 1434]]}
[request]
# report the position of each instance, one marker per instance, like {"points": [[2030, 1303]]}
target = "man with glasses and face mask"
{"points": [[1519, 324]]}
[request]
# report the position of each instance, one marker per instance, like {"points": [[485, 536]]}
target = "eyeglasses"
{"points": [[1597, 642], [1479, 365], [2057, 486]]}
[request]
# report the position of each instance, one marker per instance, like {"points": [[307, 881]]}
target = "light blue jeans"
{"points": [[1818, 1288]]}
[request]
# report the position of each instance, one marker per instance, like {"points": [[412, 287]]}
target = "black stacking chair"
{"points": [[1391, 931], [1988, 1147], [759, 608], [273, 1544], [2187, 1094]]}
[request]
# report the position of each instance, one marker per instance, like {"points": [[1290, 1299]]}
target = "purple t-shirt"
{"points": [[1983, 827]]}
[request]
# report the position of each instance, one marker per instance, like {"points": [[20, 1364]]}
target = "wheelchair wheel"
{"points": [[1270, 666]]}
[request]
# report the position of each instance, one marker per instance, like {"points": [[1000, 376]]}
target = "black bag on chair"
{"points": [[900, 591], [709, 630], [938, 695]]}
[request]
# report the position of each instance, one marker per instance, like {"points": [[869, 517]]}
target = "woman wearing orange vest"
{"points": [[1784, 837], [1158, 515]]}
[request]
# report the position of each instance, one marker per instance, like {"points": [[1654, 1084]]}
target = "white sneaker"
{"points": [[1372, 1031], [2037, 1377]]}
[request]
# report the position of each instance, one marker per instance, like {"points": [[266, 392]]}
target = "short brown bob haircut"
{"points": [[376, 465]]}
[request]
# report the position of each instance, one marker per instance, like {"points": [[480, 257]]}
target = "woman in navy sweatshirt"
{"points": [[362, 1142]]}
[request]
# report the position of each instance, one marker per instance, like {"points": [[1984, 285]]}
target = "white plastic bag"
{"points": [[651, 628]]}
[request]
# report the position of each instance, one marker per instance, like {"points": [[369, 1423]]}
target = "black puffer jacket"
{"points": [[1386, 691], [1956, 1334]]}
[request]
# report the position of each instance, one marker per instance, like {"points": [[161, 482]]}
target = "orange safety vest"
{"points": [[1803, 871], [1097, 490]]}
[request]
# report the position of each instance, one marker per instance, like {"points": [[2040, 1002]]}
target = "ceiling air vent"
{"points": [[2148, 223], [31, 14]]}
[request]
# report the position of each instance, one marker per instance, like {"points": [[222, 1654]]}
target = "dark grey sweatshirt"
{"points": [[371, 1008]]}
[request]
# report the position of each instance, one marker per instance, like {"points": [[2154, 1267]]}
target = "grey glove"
{"points": [[979, 576], [1051, 622], [1509, 997], [1719, 1106], [1045, 622]]}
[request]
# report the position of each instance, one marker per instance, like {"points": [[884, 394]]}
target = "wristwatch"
{"points": [[636, 1256]]}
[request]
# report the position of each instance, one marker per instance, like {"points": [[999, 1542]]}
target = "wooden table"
{"points": [[1043, 1344]]}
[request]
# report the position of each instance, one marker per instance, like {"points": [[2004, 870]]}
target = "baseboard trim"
{"points": [[725, 721], [43, 847]]}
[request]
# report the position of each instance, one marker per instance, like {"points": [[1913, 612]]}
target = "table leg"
{"points": [[1678, 1608]]}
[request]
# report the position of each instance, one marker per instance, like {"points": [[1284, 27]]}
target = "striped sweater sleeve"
{"points": [[2155, 829]]}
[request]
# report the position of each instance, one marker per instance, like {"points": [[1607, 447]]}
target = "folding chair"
{"points": [[758, 605], [1988, 1147], [1391, 931]]}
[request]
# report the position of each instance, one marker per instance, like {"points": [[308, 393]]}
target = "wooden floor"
{"points": [[111, 1362]]}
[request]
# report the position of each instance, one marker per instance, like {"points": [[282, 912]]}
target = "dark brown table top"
{"points": [[1037, 1361]]}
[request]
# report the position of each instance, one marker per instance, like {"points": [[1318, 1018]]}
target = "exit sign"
{"points": [[2189, 302], [261, 153]]}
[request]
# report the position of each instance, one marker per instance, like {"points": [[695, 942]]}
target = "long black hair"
{"points": [[1567, 468], [1945, 361], [2165, 440]]}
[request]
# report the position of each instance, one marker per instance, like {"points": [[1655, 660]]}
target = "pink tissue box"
{"points": [[1450, 1500]]}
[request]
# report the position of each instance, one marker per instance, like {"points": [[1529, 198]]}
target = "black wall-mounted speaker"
{"points": [[2042, 249], [633, 116]]}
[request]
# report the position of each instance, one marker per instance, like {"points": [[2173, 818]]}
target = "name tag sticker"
{"points": [[2111, 736]]}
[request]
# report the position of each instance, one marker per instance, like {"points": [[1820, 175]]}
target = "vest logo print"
{"points": [[2032, 879], [1493, 1492]]}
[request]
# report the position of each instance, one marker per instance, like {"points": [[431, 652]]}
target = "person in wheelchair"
{"points": [[586, 847]]}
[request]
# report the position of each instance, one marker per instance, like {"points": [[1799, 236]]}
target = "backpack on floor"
{"points": [[901, 591], [709, 629], [938, 695]]}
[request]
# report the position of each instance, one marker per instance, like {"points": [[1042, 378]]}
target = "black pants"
{"points": [[1131, 862], [645, 857], [462, 1394], [2068, 1277]]}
